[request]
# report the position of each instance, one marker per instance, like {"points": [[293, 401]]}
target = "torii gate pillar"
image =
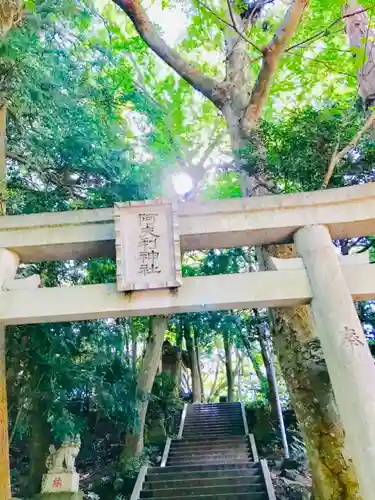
{"points": [[8, 268], [349, 361]]}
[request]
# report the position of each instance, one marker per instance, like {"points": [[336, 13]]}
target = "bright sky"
{"points": [[172, 21]]}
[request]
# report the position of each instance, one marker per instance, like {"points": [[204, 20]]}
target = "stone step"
{"points": [[219, 453], [217, 413], [192, 491], [188, 469], [212, 457], [227, 479], [231, 431], [213, 421], [211, 435], [213, 414], [210, 473], [211, 424], [217, 443], [208, 424], [212, 405], [225, 441], [202, 457], [214, 428], [207, 461], [214, 411], [230, 496], [179, 452]]}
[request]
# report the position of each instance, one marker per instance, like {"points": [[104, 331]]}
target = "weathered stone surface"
{"points": [[58, 482], [197, 294], [305, 371], [348, 212], [349, 361], [147, 246]]}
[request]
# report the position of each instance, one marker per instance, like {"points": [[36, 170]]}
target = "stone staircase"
{"points": [[215, 459]]}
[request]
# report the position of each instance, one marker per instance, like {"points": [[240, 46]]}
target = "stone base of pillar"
{"points": [[60, 496]]}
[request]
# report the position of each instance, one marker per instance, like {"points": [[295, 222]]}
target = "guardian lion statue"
{"points": [[63, 459]]}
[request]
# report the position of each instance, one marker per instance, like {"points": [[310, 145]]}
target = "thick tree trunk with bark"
{"points": [[195, 381], [239, 374], [10, 14], [306, 375], [134, 354], [176, 372], [361, 36], [269, 375], [228, 367], [40, 440], [134, 441], [199, 368]]}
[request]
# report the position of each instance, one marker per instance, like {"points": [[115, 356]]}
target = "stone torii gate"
{"points": [[146, 238]]}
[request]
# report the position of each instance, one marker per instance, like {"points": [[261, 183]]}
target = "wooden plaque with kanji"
{"points": [[147, 246]]}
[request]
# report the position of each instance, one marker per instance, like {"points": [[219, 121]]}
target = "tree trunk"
{"points": [[134, 441], [257, 368], [189, 339], [214, 383], [197, 352], [176, 371], [10, 14], [40, 439], [269, 374], [134, 346], [361, 36], [195, 380], [305, 372], [238, 374], [228, 366]]}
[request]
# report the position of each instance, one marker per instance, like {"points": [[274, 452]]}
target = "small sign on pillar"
{"points": [[147, 245]]}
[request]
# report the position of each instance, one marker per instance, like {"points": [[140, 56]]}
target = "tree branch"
{"points": [[14, 156], [233, 26], [201, 82], [325, 31], [271, 58], [336, 157], [231, 14]]}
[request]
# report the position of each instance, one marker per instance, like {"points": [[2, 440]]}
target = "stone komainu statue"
{"points": [[63, 459]]}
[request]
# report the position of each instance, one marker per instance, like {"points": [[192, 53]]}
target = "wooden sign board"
{"points": [[147, 246]]}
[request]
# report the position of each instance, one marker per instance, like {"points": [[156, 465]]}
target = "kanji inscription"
{"points": [[147, 246], [148, 243], [57, 482]]}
